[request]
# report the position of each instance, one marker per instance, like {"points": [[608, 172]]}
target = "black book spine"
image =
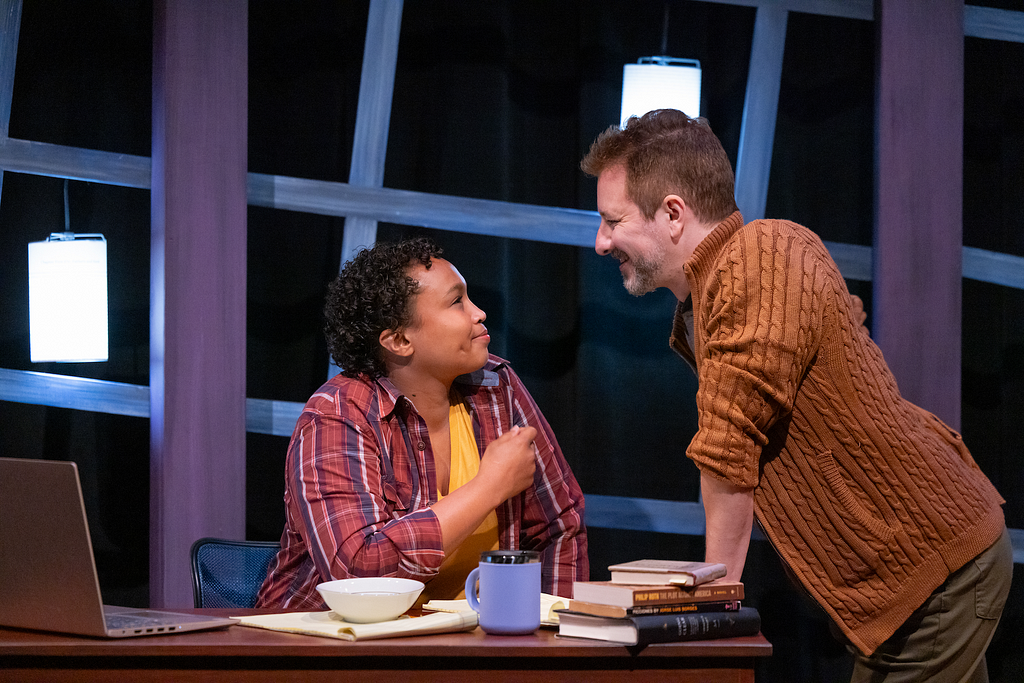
{"points": [[674, 628], [684, 608]]}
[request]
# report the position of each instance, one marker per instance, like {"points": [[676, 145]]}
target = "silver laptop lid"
{"points": [[48, 575]]}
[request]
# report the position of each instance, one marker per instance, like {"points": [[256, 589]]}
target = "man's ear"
{"points": [[395, 343], [675, 208]]}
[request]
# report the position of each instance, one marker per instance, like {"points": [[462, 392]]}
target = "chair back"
{"points": [[229, 573]]}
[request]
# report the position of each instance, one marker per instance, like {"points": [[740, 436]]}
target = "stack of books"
{"points": [[659, 601]]}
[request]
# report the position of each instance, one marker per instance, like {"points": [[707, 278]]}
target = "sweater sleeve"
{"points": [[757, 323]]}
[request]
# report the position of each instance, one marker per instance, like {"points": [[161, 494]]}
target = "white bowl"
{"points": [[370, 599]]}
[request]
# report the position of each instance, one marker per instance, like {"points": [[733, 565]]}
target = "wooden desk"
{"points": [[240, 653]]}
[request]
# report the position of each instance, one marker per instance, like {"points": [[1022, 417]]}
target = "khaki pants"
{"points": [[945, 639]]}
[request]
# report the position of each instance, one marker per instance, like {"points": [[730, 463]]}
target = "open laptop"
{"points": [[48, 577]]}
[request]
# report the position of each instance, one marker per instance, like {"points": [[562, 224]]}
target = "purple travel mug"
{"points": [[509, 601]]}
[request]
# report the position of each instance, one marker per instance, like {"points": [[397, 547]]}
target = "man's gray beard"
{"points": [[645, 276]]}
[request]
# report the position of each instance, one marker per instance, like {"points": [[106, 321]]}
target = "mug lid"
{"points": [[510, 556]]}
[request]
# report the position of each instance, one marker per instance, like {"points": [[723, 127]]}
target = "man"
{"points": [[874, 505], [425, 451]]}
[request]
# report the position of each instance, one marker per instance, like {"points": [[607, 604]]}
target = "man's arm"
{"points": [[729, 514]]}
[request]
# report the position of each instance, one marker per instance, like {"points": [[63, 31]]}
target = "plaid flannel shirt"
{"points": [[360, 482]]}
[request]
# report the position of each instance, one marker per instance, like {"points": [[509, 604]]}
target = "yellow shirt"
{"points": [[450, 581]]}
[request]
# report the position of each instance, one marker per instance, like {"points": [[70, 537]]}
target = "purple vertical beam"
{"points": [[197, 284], [919, 198]]}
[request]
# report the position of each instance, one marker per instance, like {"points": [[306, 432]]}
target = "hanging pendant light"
{"points": [[67, 292], [660, 83]]}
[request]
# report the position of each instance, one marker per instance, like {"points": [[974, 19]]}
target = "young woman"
{"points": [[425, 451]]}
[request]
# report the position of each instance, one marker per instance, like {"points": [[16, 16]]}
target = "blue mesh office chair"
{"points": [[229, 573]]}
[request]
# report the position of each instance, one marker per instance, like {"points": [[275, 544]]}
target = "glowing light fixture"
{"points": [[660, 83], [67, 297]]}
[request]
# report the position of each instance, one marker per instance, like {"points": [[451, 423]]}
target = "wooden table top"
{"points": [[254, 642]]}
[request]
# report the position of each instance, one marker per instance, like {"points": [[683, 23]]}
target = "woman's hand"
{"points": [[509, 462], [506, 469]]}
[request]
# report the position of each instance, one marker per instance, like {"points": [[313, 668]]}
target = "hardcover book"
{"points": [[678, 572], [629, 595], [600, 610], [661, 628]]}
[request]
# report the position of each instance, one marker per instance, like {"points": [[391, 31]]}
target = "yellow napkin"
{"points": [[548, 605], [330, 625]]}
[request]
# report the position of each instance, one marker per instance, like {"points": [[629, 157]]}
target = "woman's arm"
{"points": [[506, 469], [350, 513]]}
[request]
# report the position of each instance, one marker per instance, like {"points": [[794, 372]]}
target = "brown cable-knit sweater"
{"points": [[870, 500]]}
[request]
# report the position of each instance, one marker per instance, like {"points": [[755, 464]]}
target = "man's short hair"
{"points": [[372, 293], [666, 152]]}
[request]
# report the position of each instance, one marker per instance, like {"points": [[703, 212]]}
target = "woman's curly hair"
{"points": [[371, 295]]}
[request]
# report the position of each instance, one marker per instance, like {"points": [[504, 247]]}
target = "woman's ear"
{"points": [[395, 343]]}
